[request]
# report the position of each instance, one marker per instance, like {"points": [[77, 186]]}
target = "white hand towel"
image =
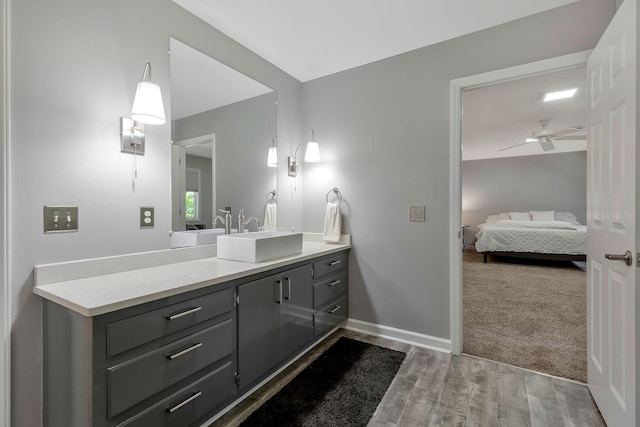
{"points": [[271, 217], [332, 223]]}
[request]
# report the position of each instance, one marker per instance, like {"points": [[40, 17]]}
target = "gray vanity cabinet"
{"points": [[275, 318], [330, 292], [170, 362]]}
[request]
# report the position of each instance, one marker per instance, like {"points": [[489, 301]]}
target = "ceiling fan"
{"points": [[545, 137]]}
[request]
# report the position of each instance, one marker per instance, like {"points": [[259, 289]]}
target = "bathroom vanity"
{"points": [[176, 344]]}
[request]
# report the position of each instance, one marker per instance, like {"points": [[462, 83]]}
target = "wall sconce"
{"points": [[312, 154], [272, 157], [147, 108]]}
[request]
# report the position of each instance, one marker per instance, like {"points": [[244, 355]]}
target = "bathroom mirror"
{"points": [[223, 123]]}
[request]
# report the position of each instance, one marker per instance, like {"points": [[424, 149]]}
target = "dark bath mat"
{"points": [[343, 387]]}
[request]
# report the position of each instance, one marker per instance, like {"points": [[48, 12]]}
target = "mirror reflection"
{"points": [[223, 123]]}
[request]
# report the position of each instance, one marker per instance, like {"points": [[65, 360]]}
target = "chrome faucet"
{"points": [[241, 221], [253, 218], [226, 221]]}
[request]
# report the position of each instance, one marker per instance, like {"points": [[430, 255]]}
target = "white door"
{"points": [[611, 208]]}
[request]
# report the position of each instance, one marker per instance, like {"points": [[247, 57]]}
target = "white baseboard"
{"points": [[413, 338]]}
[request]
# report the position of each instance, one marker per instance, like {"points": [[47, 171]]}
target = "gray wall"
{"points": [[203, 164], [74, 69], [243, 135], [384, 135], [555, 182]]}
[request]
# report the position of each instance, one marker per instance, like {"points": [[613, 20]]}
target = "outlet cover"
{"points": [[147, 217], [416, 213]]}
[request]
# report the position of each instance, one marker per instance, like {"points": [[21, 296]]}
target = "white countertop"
{"points": [[104, 293]]}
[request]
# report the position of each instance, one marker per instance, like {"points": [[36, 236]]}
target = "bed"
{"points": [[545, 235]]}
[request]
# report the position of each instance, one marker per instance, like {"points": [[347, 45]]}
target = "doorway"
{"points": [[524, 311], [566, 62]]}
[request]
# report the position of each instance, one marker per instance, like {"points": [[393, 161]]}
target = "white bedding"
{"points": [[548, 237]]}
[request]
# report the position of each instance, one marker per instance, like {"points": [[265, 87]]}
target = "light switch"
{"points": [[60, 219], [146, 217], [416, 213]]}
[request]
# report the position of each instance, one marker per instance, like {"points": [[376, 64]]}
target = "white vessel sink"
{"points": [[259, 246], [180, 239]]}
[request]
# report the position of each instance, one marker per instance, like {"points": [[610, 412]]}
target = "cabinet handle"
{"points": [[334, 309], [184, 402], [183, 313], [334, 263], [332, 284], [288, 297], [279, 291], [185, 351]]}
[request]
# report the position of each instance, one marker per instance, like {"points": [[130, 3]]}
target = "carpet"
{"points": [[343, 387], [532, 316]]}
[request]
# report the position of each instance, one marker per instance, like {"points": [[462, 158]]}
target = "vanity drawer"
{"points": [[131, 382], [133, 331], [330, 288], [330, 264], [190, 403], [330, 316]]}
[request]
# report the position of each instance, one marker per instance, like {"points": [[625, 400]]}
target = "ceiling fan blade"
{"points": [[546, 144], [516, 145], [567, 131], [572, 138]]}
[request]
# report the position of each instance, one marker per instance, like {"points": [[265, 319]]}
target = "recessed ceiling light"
{"points": [[552, 96], [531, 139]]}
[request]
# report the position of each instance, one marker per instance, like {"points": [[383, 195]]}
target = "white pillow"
{"points": [[491, 219], [504, 216], [520, 216], [566, 217], [542, 215]]}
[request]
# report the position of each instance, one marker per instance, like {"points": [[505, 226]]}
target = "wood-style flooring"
{"points": [[439, 389]]}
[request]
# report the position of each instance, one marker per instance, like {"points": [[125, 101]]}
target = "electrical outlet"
{"points": [[416, 213], [147, 218], [60, 219]]}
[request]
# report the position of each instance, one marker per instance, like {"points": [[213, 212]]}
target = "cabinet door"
{"points": [[297, 309], [259, 330]]}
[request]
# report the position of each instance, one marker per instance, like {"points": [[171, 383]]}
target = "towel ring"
{"points": [[337, 193], [272, 196]]}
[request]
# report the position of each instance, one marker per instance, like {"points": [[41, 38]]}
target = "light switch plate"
{"points": [[60, 219], [416, 213], [147, 217]]}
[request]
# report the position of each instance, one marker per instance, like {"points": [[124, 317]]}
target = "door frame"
{"points": [[5, 235], [566, 62]]}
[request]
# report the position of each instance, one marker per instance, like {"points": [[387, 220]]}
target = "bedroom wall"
{"points": [[555, 182], [383, 131]]}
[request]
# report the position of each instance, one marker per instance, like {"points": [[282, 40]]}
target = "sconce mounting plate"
{"points": [[131, 136], [292, 166]]}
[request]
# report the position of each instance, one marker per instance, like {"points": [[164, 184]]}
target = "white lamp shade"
{"points": [[272, 157], [147, 104], [313, 152]]}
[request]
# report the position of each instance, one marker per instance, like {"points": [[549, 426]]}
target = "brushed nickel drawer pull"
{"points": [[332, 284], [184, 402], [335, 263], [185, 351], [184, 313], [336, 308]]}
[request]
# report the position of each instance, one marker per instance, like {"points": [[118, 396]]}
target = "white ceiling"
{"points": [[311, 40], [494, 114], [314, 39]]}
